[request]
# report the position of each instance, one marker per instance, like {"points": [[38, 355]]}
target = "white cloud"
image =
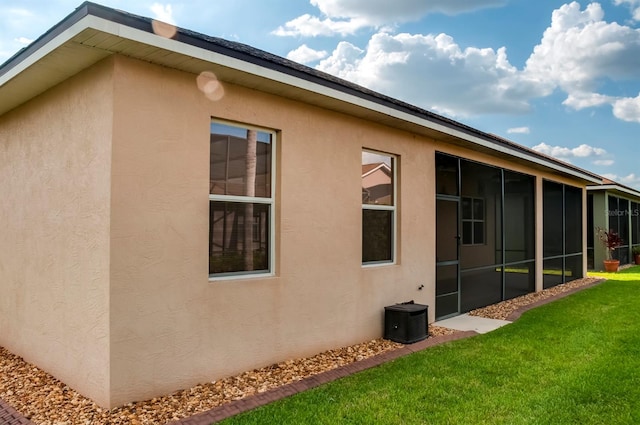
{"points": [[579, 49], [343, 62], [634, 5], [311, 26], [604, 162], [580, 100], [304, 54], [435, 72], [576, 54], [23, 40], [385, 11], [163, 13], [583, 151], [16, 20], [627, 109], [599, 156], [17, 14], [555, 151], [346, 17], [631, 180], [519, 130]]}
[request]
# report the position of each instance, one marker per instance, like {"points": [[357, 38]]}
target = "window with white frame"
{"points": [[378, 207], [240, 200], [473, 221]]}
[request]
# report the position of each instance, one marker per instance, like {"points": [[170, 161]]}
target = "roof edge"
{"points": [[615, 186], [307, 74]]}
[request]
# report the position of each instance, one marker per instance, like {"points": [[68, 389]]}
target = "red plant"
{"points": [[611, 240]]}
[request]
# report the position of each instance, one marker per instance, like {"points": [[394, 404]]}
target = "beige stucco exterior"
{"points": [[55, 163], [105, 179], [168, 319]]}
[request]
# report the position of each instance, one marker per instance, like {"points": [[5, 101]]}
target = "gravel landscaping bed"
{"points": [[45, 400], [503, 309]]}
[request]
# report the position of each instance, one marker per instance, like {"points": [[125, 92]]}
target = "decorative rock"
{"points": [[47, 401]]}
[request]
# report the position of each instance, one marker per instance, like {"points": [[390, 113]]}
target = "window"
{"points": [[472, 221], [378, 208], [240, 200]]}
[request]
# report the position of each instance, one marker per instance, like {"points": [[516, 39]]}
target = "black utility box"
{"points": [[406, 323]]}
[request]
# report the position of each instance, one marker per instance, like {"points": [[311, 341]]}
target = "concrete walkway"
{"points": [[465, 322]]}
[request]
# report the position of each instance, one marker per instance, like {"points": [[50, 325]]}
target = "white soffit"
{"points": [[51, 69], [614, 187]]}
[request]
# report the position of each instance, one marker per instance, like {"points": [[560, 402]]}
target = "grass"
{"points": [[574, 361], [629, 274]]}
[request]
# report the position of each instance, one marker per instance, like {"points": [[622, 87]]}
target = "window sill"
{"points": [[379, 264], [244, 276]]}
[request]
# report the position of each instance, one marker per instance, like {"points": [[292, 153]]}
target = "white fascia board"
{"points": [[601, 187], [628, 191], [52, 45], [110, 27]]}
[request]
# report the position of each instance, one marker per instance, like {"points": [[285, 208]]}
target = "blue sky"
{"points": [[560, 77]]}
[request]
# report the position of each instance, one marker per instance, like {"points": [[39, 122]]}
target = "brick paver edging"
{"points": [[243, 405], [248, 403], [515, 315], [10, 416]]}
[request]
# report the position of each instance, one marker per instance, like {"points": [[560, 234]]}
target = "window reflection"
{"points": [[231, 161], [377, 179], [240, 200], [378, 207], [230, 248]]}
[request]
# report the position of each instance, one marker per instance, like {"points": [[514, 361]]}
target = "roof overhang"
{"points": [[93, 32], [615, 188]]}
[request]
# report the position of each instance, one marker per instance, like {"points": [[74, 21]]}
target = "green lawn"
{"points": [[630, 274], [574, 361]]}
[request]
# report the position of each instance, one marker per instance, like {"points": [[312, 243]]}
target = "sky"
{"points": [[562, 78]]}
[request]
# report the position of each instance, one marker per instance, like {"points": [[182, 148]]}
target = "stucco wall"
{"points": [[170, 326], [54, 265], [117, 216]]}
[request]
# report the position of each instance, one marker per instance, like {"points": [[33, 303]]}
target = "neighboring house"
{"points": [[612, 206], [377, 184], [179, 209]]}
